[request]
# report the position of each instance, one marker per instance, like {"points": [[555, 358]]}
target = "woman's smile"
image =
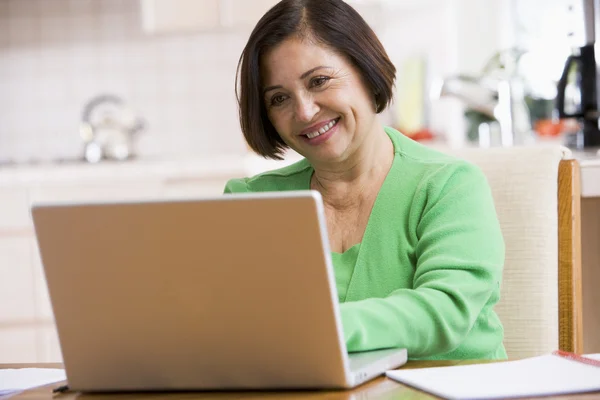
{"points": [[320, 132]]}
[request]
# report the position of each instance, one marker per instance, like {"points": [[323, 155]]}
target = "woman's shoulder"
{"points": [[290, 177], [430, 164], [417, 152]]}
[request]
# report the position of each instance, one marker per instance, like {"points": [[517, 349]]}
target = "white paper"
{"points": [[14, 380], [537, 376]]}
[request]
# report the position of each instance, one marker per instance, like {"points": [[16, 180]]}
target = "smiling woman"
{"points": [[308, 105], [416, 244], [333, 29]]}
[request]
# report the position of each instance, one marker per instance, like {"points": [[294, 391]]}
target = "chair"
{"points": [[536, 191]]}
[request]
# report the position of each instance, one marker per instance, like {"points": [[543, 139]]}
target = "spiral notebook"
{"points": [[552, 374]]}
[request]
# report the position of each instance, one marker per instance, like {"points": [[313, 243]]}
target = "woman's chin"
{"points": [[326, 154]]}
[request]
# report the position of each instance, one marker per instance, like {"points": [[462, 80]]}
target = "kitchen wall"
{"points": [[55, 55]]}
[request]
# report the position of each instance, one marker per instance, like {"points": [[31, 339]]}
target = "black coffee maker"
{"points": [[578, 90]]}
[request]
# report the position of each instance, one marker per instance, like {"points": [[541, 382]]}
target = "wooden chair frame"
{"points": [[570, 307]]}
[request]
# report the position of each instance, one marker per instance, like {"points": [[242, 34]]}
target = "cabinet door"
{"points": [[14, 212], [16, 280], [48, 344], [193, 187], [98, 191], [41, 298], [244, 13], [168, 16], [18, 345]]}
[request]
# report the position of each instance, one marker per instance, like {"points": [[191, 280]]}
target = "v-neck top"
{"points": [[426, 274], [343, 267]]}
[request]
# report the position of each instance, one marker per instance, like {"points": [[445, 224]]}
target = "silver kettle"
{"points": [[108, 129]]}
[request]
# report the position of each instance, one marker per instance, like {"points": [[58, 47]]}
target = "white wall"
{"points": [[55, 55]]}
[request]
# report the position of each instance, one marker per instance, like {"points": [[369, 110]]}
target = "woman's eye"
{"points": [[319, 81], [277, 100]]}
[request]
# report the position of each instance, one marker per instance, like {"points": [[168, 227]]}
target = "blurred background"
{"points": [[121, 99], [171, 64]]}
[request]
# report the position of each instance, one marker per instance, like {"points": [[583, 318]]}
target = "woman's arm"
{"points": [[236, 186], [460, 256]]}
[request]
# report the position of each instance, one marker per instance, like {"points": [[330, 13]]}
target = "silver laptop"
{"points": [[224, 293]]}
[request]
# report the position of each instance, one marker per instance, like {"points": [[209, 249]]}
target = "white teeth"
{"points": [[322, 130]]}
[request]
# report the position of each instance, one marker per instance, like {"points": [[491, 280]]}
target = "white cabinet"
{"points": [[14, 213], [17, 306], [41, 297], [18, 345], [165, 16], [244, 13], [96, 191], [170, 16], [191, 187], [27, 330], [48, 345]]}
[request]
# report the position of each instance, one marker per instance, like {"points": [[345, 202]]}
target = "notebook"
{"points": [[14, 380], [552, 374]]}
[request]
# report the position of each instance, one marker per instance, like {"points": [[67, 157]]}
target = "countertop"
{"points": [[589, 162], [73, 172], [221, 166]]}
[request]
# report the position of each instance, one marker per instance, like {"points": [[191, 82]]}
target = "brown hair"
{"points": [[331, 22]]}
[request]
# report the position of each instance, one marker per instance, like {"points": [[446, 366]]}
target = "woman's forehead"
{"points": [[293, 57]]}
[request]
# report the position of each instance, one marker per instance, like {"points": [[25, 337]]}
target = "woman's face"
{"points": [[316, 100]]}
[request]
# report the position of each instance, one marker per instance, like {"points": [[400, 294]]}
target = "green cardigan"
{"points": [[426, 275]]}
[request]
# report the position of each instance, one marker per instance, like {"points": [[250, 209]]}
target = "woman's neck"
{"points": [[342, 183]]}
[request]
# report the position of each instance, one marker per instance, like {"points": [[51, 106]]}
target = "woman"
{"points": [[416, 245]]}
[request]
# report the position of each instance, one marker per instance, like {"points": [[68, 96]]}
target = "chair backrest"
{"points": [[536, 192]]}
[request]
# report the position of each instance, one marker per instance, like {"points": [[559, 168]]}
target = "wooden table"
{"points": [[380, 388]]}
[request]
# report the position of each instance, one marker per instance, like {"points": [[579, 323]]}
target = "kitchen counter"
{"points": [[223, 166], [590, 172], [75, 172], [206, 167]]}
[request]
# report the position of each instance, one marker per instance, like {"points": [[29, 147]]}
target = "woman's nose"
{"points": [[306, 108]]}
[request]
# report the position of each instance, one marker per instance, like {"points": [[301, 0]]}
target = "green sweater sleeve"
{"points": [[236, 186], [459, 254]]}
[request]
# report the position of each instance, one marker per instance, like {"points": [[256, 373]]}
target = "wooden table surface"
{"points": [[380, 388]]}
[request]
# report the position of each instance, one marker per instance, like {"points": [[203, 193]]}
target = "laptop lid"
{"points": [[231, 292]]}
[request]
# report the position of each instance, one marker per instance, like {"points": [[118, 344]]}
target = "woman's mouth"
{"points": [[322, 130]]}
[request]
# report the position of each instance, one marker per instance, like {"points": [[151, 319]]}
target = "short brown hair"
{"points": [[331, 22]]}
